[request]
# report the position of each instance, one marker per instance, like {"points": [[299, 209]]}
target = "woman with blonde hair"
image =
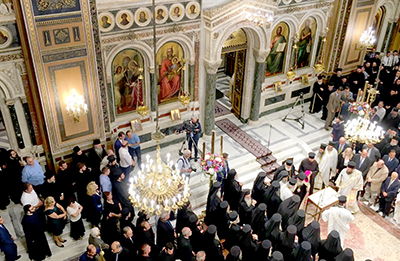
{"points": [[56, 215], [344, 159], [95, 206]]}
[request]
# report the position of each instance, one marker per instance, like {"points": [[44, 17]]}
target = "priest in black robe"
{"points": [[302, 252], [259, 218], [213, 201], [357, 80], [234, 230], [301, 187], [194, 225], [36, 241], [272, 230], [330, 247], [298, 220], [272, 198], [346, 255], [309, 164], [232, 190], [246, 207], [288, 208], [286, 242], [311, 233], [234, 254], [182, 217], [317, 98], [211, 246], [259, 187], [248, 243], [263, 249], [222, 219]]}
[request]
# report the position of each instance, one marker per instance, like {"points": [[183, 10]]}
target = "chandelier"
{"points": [[258, 18], [361, 129], [367, 39], [76, 106], [158, 187]]}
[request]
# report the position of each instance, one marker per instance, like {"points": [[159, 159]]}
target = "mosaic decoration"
{"points": [[61, 36]]}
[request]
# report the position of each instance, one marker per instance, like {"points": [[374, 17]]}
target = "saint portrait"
{"points": [[106, 21], [169, 58], [124, 19], [276, 58], [175, 115], [142, 17], [6, 37], [306, 41], [177, 12], [193, 9], [136, 125], [128, 80], [160, 14]]}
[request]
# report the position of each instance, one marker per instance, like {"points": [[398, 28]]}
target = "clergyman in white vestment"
{"points": [[350, 181]]}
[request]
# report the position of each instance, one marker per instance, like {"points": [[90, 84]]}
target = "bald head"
{"points": [[91, 250], [342, 140], [186, 232], [394, 175], [116, 247], [200, 256], [380, 163]]}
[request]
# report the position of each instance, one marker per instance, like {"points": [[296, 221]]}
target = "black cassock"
{"points": [[272, 198], [247, 244], [259, 187], [232, 190], [301, 192], [222, 221], [298, 220], [317, 98], [258, 219], [286, 242], [182, 217], [302, 252], [272, 230], [346, 255], [311, 233], [38, 247], [288, 208], [245, 211], [263, 249], [330, 247], [213, 202], [211, 246]]}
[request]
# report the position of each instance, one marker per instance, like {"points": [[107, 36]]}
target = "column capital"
{"points": [[151, 70], [10, 102], [260, 55], [212, 66]]}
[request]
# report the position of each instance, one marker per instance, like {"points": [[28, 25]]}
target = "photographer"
{"points": [[184, 165], [193, 131]]}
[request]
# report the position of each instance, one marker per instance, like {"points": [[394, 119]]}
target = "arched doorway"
{"points": [[230, 76]]}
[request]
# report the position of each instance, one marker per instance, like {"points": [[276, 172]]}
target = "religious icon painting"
{"points": [[142, 16], [306, 42], [161, 14], [106, 21], [128, 81], [170, 60], [278, 86], [192, 10], [276, 59], [6, 37], [176, 12], [175, 115], [304, 79], [124, 19], [136, 125]]}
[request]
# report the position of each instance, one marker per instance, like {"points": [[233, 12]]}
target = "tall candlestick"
{"points": [[365, 90], [204, 150], [222, 145], [212, 142], [358, 95]]}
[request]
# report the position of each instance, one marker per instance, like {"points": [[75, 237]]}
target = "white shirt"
{"points": [[380, 112], [184, 163], [29, 198], [73, 210], [125, 159], [387, 61]]}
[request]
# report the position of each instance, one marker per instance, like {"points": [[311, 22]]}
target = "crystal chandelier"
{"points": [[367, 39], [158, 187], [361, 129], [76, 106], [258, 18]]}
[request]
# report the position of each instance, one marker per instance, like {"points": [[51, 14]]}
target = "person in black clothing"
{"points": [[167, 253], [82, 177], [128, 241], [246, 207], [185, 250], [233, 233], [142, 216], [79, 157], [309, 165], [272, 231], [117, 253], [4, 176], [146, 236], [182, 217], [211, 246], [111, 214], [346, 255], [96, 155], [272, 198], [196, 238], [165, 230], [302, 252], [286, 241], [259, 187], [288, 208], [234, 254], [392, 120], [248, 243], [222, 221], [259, 218], [213, 201], [145, 254], [301, 188], [126, 219], [120, 191], [317, 98], [14, 168], [277, 256], [65, 180], [298, 220], [337, 78], [51, 188], [263, 250], [115, 170], [232, 189], [312, 234], [330, 247], [357, 80], [287, 166]]}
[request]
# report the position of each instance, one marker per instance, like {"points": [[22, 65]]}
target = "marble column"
{"points": [[14, 119], [191, 81], [153, 92], [29, 122], [259, 70], [211, 78]]}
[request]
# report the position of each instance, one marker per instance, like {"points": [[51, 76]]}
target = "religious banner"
{"points": [[276, 58]]}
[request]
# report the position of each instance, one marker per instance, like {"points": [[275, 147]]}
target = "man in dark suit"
{"points": [[118, 143], [120, 192], [128, 241], [390, 161], [363, 163], [118, 253], [185, 251], [341, 145], [338, 130], [388, 191], [373, 152], [165, 230], [7, 245]]}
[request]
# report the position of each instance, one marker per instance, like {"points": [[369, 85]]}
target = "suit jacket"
{"points": [[123, 256], [129, 244], [392, 190], [377, 176], [365, 166], [165, 233], [117, 146], [391, 165], [184, 251], [374, 153], [333, 102], [5, 238], [337, 132], [345, 146]]}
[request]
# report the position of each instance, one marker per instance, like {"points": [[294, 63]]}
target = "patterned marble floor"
{"points": [[284, 139]]}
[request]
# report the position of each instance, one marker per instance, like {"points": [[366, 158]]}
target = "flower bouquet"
{"points": [[358, 109], [211, 165]]}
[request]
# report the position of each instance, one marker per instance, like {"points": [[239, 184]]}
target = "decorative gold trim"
{"points": [[59, 21], [63, 49]]}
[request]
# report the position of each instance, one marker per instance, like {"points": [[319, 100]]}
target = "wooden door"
{"points": [[237, 91]]}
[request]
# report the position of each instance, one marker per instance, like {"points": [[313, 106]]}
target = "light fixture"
{"points": [[158, 187], [259, 18], [361, 129], [76, 107], [367, 39]]}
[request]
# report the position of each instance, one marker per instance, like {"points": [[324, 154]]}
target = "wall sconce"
{"points": [[76, 106]]}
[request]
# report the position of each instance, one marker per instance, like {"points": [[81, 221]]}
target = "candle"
{"points": [[212, 142], [365, 90], [358, 95], [204, 150], [222, 144]]}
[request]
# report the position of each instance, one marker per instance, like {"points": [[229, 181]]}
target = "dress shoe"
{"points": [[18, 257], [63, 241]]}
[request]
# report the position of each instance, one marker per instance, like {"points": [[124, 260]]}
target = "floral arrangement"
{"points": [[211, 164], [358, 108]]}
